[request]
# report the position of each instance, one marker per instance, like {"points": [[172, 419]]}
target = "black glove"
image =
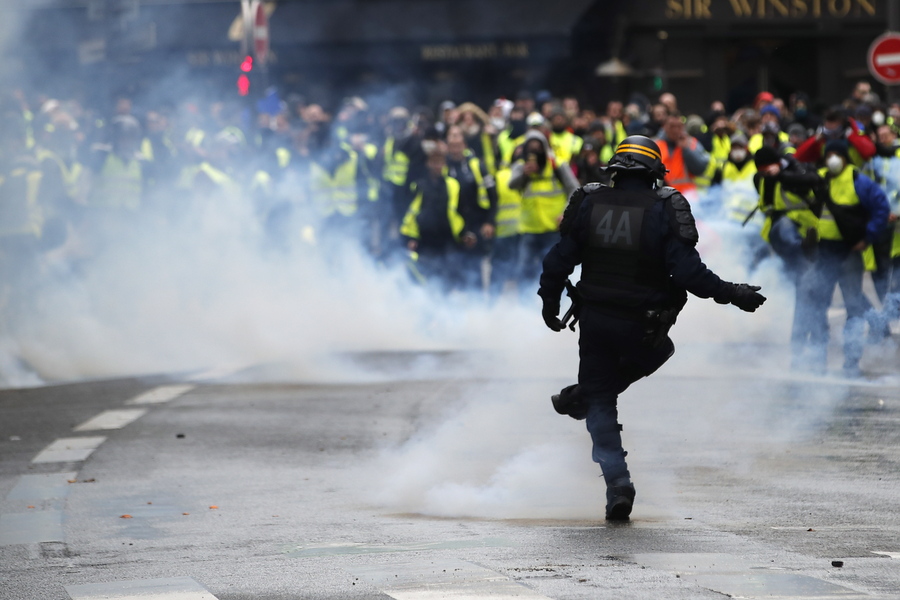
{"points": [[550, 313], [743, 295]]}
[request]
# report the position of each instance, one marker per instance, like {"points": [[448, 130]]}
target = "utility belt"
{"points": [[656, 321]]}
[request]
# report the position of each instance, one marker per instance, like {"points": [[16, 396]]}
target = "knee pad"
{"points": [[569, 401]]}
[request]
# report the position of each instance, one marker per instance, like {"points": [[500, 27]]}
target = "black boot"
{"points": [[619, 499]]}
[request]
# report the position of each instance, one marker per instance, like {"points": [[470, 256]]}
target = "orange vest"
{"points": [[678, 176]]}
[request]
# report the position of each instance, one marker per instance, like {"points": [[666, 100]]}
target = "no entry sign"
{"points": [[884, 58]]}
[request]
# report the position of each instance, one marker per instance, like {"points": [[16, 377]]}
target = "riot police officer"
{"points": [[636, 246]]}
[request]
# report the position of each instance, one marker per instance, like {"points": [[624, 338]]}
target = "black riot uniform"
{"points": [[636, 247]]}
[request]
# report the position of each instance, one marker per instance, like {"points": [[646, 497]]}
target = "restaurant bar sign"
{"points": [[770, 10], [478, 51]]}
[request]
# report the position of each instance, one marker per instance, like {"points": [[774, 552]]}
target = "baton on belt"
{"points": [[572, 313]]}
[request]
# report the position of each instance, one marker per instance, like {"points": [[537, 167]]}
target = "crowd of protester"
{"points": [[466, 197]]}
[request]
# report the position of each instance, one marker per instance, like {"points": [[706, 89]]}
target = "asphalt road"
{"points": [[445, 482]]}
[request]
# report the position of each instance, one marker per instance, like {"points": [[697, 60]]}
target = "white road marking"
{"points": [[31, 528], [161, 394], [218, 372], [69, 450], [444, 580], [42, 487], [175, 588], [112, 419]]}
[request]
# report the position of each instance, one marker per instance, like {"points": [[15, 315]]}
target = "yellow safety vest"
{"points": [[721, 148], [895, 247], [220, 179], [843, 192], [20, 213], [738, 193], [71, 175], [194, 137], [283, 155], [484, 202], [410, 225], [565, 145], [756, 142], [543, 202], [508, 145], [396, 164], [373, 181], [147, 148], [487, 149], [617, 134], [336, 193], [509, 205], [118, 185], [788, 203]]}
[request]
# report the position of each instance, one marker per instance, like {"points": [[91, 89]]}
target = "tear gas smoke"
{"points": [[205, 289]]}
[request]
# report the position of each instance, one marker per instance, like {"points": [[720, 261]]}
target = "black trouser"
{"points": [[612, 356]]}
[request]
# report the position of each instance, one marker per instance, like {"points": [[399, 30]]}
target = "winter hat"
{"points": [[766, 156], [739, 139], [839, 147], [770, 110]]}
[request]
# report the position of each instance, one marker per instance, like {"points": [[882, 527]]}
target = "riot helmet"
{"points": [[637, 154]]}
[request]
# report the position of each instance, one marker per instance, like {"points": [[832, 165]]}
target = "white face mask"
{"points": [[878, 119], [738, 155], [835, 164], [499, 123]]}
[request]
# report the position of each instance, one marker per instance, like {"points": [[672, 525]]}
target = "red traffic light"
{"points": [[243, 85], [247, 64]]}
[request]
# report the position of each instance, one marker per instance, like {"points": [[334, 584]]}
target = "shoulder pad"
{"points": [[592, 187], [568, 218], [667, 192], [681, 220]]}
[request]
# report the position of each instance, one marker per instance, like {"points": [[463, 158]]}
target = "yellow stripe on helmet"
{"points": [[639, 149]]}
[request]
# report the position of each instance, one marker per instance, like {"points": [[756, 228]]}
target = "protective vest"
{"points": [[484, 202], [678, 176], [487, 153], [410, 225], [118, 184], [739, 197], [756, 142], [782, 203], [283, 156], [194, 137], [565, 145], [147, 148], [337, 192], [508, 145], [617, 134], [219, 178], [373, 181], [261, 183], [617, 268], [509, 205], [721, 148], [20, 213], [543, 202], [705, 179], [396, 164], [71, 175], [844, 209]]}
